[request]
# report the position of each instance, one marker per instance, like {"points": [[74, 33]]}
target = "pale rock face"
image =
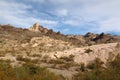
{"points": [[24, 45], [102, 51], [34, 45], [38, 28]]}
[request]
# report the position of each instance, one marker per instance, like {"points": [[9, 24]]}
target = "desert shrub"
{"points": [[26, 72], [6, 71], [35, 61], [36, 55], [6, 60], [79, 76], [91, 66], [28, 60], [45, 58], [90, 44], [118, 45], [112, 72], [21, 58], [63, 62], [1, 41], [82, 67], [115, 65], [68, 59], [56, 61], [97, 63], [88, 50], [67, 65], [2, 55]]}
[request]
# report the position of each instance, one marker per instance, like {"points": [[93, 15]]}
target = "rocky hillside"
{"points": [[25, 35], [62, 54], [20, 40], [37, 40], [91, 38], [101, 38]]}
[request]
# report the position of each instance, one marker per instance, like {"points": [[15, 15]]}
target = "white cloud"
{"points": [[60, 1], [110, 25], [106, 13], [72, 22], [11, 12], [17, 15], [62, 12], [66, 30], [48, 23], [35, 1], [13, 8]]}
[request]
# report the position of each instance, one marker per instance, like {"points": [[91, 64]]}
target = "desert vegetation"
{"points": [[26, 72], [98, 72], [88, 50], [95, 70], [46, 55]]}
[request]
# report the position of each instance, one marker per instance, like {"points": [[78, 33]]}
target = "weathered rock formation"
{"points": [[101, 38], [104, 38], [38, 28], [90, 35]]}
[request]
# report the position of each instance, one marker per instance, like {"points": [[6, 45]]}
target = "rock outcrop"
{"points": [[38, 28], [100, 38], [104, 38], [90, 35]]}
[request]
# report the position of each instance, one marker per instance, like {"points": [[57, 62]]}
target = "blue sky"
{"points": [[66, 16]]}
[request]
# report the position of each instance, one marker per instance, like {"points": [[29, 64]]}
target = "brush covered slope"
{"points": [[70, 57]]}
